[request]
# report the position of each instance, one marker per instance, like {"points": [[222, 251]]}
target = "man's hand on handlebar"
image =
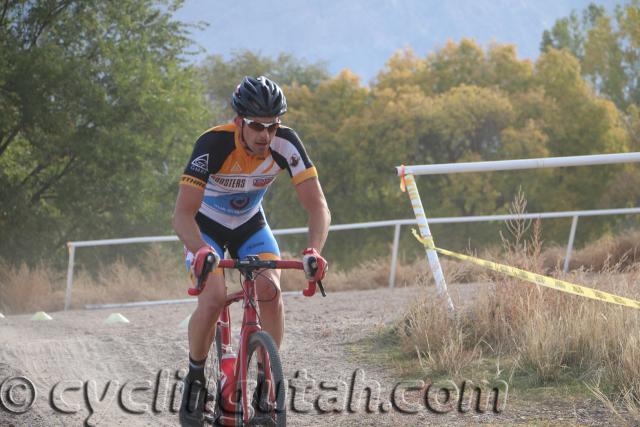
{"points": [[198, 259], [315, 266], [198, 264], [206, 260]]}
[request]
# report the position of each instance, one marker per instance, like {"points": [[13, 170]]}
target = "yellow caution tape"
{"points": [[538, 279]]}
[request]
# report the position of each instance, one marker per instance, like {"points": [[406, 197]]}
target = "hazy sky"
{"points": [[362, 34]]}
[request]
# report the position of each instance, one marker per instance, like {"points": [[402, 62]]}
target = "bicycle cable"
{"points": [[272, 283], [252, 302]]}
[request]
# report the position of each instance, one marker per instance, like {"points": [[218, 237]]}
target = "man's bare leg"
{"points": [[201, 333], [203, 320]]}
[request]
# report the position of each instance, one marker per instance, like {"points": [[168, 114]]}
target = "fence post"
{"points": [[432, 255], [394, 256], [572, 235], [67, 296]]}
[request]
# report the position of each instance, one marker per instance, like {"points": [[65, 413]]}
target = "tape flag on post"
{"points": [[559, 285]]}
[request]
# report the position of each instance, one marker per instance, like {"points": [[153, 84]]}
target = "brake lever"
{"points": [[206, 269], [319, 282], [314, 266]]}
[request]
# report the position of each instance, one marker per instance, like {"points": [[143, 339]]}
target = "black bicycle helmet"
{"points": [[259, 97]]}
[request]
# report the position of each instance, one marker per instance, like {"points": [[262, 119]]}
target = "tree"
{"points": [[506, 72], [454, 65], [404, 68], [608, 49], [570, 33], [95, 101], [577, 122], [220, 76], [422, 111], [318, 115]]}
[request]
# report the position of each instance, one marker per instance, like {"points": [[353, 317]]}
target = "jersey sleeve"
{"points": [[197, 171], [289, 154]]}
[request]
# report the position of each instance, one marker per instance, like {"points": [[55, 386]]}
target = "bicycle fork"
{"points": [[250, 325]]}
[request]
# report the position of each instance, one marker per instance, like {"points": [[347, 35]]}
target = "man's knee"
{"points": [[268, 287], [214, 295]]}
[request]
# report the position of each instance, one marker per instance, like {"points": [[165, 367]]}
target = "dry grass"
{"points": [[439, 339], [375, 273], [160, 275], [550, 336], [22, 288], [599, 256]]}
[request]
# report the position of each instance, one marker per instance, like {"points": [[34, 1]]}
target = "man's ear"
{"points": [[237, 121]]}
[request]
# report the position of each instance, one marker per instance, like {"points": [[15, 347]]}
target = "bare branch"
{"points": [[5, 8], [33, 173], [4, 145], [38, 195], [47, 21]]}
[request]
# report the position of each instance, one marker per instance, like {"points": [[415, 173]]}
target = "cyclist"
{"points": [[219, 207]]}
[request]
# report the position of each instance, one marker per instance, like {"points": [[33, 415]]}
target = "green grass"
{"points": [[383, 348]]}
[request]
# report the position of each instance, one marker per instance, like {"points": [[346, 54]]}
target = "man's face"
{"points": [[256, 136]]}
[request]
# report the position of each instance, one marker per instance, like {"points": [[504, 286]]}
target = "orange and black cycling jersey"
{"points": [[235, 181]]}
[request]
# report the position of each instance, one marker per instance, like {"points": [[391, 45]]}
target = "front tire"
{"points": [[212, 376], [271, 407]]}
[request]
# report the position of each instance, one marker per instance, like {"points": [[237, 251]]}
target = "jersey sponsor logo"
{"points": [[236, 167], [294, 160], [201, 163], [230, 182], [262, 182], [240, 202]]}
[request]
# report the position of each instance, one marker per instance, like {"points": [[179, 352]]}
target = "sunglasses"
{"points": [[259, 127]]}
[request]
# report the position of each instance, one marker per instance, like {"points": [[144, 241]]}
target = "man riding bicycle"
{"points": [[219, 207]]}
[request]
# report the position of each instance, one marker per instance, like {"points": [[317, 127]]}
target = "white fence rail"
{"points": [[397, 224], [503, 165], [407, 174]]}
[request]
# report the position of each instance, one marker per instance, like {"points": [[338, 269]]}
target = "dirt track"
{"points": [[146, 354]]}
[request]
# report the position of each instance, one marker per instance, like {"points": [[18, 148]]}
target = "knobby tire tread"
{"points": [[263, 339]]}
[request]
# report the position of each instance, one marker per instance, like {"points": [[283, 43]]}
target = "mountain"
{"points": [[362, 34]]}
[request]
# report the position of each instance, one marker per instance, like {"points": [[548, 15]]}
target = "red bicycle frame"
{"points": [[250, 323]]}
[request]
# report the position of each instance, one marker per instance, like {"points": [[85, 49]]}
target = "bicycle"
{"points": [[228, 387]]}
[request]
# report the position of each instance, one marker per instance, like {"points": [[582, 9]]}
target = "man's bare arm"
{"points": [[184, 222], [313, 201]]}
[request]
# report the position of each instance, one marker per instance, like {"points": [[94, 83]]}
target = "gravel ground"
{"points": [[79, 354]]}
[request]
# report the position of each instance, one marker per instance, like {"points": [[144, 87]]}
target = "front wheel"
{"points": [[266, 387]]}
